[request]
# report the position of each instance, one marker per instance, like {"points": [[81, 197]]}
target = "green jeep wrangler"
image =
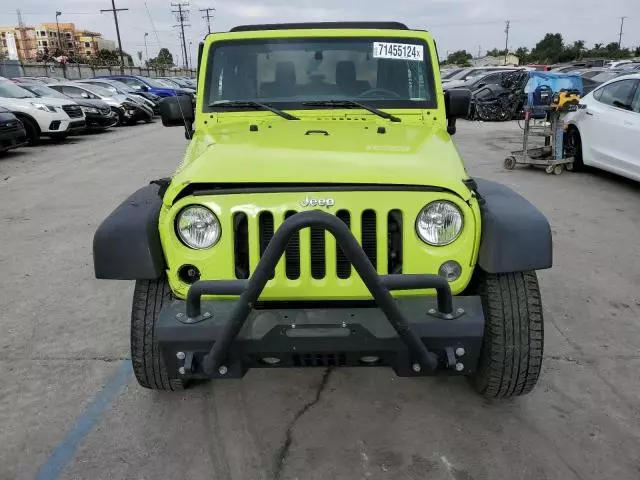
{"points": [[322, 216]]}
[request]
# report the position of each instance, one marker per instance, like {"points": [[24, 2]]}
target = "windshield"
{"points": [[44, 91], [8, 89], [169, 83], [449, 73], [100, 91], [155, 83], [381, 72], [107, 86], [604, 76], [121, 87]]}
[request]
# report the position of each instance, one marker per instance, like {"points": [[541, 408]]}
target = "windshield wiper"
{"points": [[352, 104], [250, 104]]}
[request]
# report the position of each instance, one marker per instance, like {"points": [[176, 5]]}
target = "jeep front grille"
{"points": [[378, 232]]}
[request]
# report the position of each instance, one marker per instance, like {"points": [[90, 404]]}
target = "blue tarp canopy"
{"points": [[555, 81]]}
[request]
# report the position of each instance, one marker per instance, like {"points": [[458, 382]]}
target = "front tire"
{"points": [[574, 145], [149, 296], [33, 132], [511, 357]]}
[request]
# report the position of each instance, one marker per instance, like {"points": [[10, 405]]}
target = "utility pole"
{"points": [[208, 16], [620, 36], [115, 18], [182, 15], [479, 50], [506, 42]]}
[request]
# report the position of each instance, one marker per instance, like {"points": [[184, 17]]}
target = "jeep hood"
{"points": [[298, 152]]}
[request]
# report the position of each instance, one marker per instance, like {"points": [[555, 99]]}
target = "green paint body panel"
{"points": [[415, 152]]}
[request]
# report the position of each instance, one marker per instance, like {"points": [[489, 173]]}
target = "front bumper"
{"points": [[348, 336], [101, 121], [63, 126], [415, 336], [12, 137]]}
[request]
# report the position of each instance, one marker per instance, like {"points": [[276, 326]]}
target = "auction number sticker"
{"points": [[398, 51]]}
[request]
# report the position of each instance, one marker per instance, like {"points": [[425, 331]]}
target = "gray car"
{"points": [[129, 112], [120, 88], [98, 114]]}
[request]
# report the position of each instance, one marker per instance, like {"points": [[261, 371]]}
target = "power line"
{"points": [[115, 18], [153, 26], [208, 16], [182, 15], [620, 37]]}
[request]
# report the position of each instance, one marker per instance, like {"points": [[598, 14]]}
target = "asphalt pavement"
{"points": [[71, 409]]}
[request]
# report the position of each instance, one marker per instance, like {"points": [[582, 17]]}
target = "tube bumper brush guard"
{"points": [[223, 338]]}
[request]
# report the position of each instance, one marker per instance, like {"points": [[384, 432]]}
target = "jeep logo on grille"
{"points": [[317, 202]]}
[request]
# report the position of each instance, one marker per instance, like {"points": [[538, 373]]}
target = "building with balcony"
{"points": [[18, 43], [49, 38]]}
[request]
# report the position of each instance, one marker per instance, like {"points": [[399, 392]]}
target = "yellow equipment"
{"points": [[564, 99]]}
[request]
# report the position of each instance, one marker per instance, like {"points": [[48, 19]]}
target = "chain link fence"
{"points": [[74, 71]]}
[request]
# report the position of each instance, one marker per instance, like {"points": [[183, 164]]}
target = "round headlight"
{"points": [[198, 227], [439, 223]]}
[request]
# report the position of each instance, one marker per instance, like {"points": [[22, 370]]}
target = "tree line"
{"points": [[103, 58], [552, 49]]}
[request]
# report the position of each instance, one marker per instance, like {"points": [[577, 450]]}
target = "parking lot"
{"points": [[70, 408]]}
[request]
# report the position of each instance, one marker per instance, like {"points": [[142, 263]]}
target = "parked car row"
{"points": [[35, 107], [605, 130]]}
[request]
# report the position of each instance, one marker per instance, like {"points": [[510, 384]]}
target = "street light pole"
{"points": [[64, 64], [58, 28], [146, 49]]}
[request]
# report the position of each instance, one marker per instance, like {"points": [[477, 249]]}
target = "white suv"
{"points": [[41, 116]]}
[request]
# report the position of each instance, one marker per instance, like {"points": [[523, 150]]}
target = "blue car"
{"points": [[146, 84]]}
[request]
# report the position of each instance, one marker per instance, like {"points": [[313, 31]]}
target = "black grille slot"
{"points": [[318, 264], [394, 250], [265, 227], [320, 360], [9, 126], [369, 242], [343, 267], [241, 245], [292, 253], [74, 111]]}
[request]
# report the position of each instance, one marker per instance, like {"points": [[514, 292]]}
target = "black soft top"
{"points": [[321, 25]]}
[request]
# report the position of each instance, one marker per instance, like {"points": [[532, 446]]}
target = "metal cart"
{"points": [[551, 155], [550, 96]]}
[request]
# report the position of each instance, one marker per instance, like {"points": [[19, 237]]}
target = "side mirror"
{"points": [[85, 95], [457, 102], [178, 111]]}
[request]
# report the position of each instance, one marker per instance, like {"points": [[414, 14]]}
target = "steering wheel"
{"points": [[378, 92]]}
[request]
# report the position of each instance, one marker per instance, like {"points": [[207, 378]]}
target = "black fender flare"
{"points": [[516, 236], [127, 245]]}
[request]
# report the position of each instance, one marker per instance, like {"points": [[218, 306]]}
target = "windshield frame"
{"points": [[404, 104]]}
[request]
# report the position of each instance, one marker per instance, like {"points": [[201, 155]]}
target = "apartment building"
{"points": [[18, 42], [50, 37]]}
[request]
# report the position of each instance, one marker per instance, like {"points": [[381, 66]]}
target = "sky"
{"points": [[474, 25]]}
